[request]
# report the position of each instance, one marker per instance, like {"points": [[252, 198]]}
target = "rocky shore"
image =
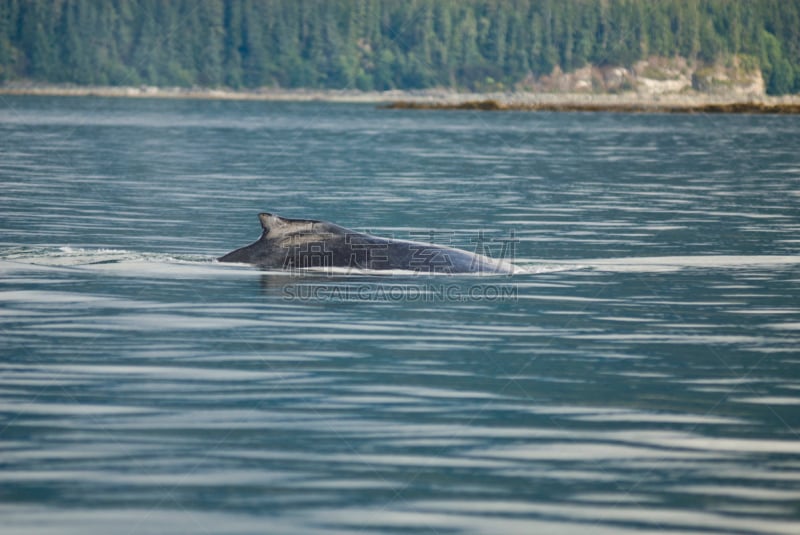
{"points": [[628, 101], [616, 103]]}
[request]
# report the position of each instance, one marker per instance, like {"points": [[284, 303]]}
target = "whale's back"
{"points": [[309, 243]]}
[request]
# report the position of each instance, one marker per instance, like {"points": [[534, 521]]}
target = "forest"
{"points": [[381, 44]]}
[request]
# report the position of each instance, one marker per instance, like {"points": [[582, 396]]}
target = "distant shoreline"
{"points": [[732, 106], [443, 99], [291, 95]]}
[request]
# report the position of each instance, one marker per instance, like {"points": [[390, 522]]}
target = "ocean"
{"points": [[641, 373]]}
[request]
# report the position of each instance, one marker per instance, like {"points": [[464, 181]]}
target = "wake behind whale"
{"points": [[307, 243]]}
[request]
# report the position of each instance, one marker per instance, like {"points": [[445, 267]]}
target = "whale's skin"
{"points": [[307, 243]]}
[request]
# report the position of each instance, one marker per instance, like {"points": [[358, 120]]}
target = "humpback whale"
{"points": [[308, 243]]}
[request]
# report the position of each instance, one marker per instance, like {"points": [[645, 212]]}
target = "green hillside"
{"points": [[381, 44]]}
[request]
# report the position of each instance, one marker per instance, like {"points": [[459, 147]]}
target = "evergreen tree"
{"points": [[231, 44], [379, 43]]}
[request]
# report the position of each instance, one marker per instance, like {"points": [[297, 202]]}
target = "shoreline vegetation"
{"points": [[631, 102], [593, 46]]}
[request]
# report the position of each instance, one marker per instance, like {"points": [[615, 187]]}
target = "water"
{"points": [[642, 375]]}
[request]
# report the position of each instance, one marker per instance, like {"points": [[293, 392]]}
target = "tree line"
{"points": [[381, 44]]}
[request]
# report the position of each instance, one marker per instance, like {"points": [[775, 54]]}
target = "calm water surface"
{"points": [[642, 375]]}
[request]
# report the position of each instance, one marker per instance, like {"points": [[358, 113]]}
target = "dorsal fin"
{"points": [[276, 226], [271, 221]]}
